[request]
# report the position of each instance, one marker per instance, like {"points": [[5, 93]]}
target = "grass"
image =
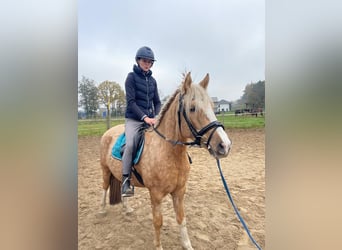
{"points": [[95, 127], [229, 120]]}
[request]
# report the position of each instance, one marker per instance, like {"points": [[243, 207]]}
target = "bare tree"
{"points": [[108, 93], [119, 102]]}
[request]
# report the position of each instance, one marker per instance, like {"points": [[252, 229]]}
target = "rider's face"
{"points": [[145, 64]]}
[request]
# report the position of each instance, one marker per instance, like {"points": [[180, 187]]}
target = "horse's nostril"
{"points": [[222, 148]]}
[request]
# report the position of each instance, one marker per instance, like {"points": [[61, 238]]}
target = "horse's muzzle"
{"points": [[223, 149]]}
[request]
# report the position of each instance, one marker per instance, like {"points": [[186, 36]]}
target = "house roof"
{"points": [[223, 102], [214, 99]]}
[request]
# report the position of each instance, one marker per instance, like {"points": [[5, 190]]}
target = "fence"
{"points": [[229, 120]]}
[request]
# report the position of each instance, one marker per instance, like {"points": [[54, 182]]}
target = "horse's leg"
{"points": [[106, 181], [156, 200], [103, 203], [125, 206], [178, 204]]}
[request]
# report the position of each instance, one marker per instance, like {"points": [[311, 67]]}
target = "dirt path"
{"points": [[211, 220]]}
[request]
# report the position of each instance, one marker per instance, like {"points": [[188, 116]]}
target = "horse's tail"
{"points": [[114, 190]]}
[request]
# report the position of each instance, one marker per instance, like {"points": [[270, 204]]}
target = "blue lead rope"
{"points": [[236, 211]]}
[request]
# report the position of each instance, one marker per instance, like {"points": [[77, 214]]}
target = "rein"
{"points": [[198, 135], [171, 141], [233, 204]]}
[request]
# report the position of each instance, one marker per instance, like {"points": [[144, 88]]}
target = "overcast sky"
{"points": [[223, 38]]}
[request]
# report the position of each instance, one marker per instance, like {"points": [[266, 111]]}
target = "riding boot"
{"points": [[126, 189]]}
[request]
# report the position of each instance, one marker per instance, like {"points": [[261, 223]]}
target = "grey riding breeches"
{"points": [[132, 129]]}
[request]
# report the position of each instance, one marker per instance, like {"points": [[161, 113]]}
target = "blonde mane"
{"points": [[165, 107]]}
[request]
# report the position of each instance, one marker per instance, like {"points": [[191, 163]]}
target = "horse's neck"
{"points": [[169, 128]]}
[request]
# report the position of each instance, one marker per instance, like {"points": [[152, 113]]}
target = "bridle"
{"points": [[198, 135]]}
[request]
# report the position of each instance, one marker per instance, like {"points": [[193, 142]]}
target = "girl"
{"points": [[143, 104]]}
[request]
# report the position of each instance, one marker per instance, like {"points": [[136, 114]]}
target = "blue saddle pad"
{"points": [[117, 150]]}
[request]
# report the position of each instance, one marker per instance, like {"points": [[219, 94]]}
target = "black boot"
{"points": [[126, 189]]}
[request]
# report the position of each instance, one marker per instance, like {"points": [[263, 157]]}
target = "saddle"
{"points": [[119, 148]]}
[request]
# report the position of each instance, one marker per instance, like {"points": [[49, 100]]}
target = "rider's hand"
{"points": [[149, 121]]}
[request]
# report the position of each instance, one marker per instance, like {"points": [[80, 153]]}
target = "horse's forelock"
{"points": [[197, 93]]}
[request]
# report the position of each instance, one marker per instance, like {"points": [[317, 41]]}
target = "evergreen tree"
{"points": [[88, 98]]}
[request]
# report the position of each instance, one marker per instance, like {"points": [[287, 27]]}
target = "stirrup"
{"points": [[129, 190]]}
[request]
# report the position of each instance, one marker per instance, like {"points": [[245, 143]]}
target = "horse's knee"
{"points": [[158, 220], [180, 214], [105, 185], [178, 205]]}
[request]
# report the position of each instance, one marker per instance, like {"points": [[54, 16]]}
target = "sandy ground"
{"points": [[211, 220]]}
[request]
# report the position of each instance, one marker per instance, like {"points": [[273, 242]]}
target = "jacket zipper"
{"points": [[148, 100]]}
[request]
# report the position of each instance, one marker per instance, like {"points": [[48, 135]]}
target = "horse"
{"points": [[187, 118]]}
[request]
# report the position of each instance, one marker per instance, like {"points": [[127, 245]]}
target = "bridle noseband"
{"points": [[198, 135]]}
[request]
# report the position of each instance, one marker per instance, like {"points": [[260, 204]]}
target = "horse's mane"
{"points": [[165, 107]]}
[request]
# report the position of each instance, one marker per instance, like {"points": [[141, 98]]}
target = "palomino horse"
{"points": [[186, 119]]}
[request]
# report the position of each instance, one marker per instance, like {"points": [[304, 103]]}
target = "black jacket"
{"points": [[142, 96]]}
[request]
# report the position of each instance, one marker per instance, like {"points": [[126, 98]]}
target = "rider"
{"points": [[143, 104]]}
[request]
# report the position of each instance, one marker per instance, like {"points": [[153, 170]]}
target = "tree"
{"points": [[108, 93], [88, 96], [119, 102], [254, 95]]}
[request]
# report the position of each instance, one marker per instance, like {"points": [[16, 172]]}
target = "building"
{"points": [[224, 106], [221, 106]]}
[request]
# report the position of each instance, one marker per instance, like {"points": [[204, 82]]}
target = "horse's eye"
{"points": [[192, 109]]}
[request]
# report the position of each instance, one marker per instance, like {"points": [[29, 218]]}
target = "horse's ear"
{"points": [[205, 81], [187, 82]]}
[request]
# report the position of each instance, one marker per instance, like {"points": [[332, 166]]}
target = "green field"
{"points": [[95, 127], [241, 121], [230, 121]]}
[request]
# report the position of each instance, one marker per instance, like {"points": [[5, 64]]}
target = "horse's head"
{"points": [[197, 119]]}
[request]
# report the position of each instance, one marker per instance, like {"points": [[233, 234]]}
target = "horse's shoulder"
{"points": [[148, 136]]}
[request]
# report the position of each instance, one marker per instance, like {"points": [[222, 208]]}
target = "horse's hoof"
{"points": [[187, 247], [102, 213], [128, 210]]}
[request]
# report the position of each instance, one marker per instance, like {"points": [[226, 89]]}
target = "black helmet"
{"points": [[145, 52]]}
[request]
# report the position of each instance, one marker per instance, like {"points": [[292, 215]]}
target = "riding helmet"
{"points": [[145, 52]]}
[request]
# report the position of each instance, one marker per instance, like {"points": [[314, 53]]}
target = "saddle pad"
{"points": [[117, 150]]}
